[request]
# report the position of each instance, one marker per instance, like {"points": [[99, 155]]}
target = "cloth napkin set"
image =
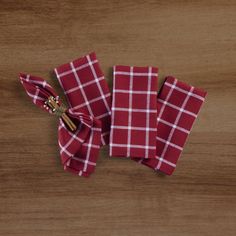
{"points": [[135, 121]]}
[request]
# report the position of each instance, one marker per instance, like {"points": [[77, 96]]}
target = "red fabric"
{"points": [[134, 112], [79, 150], [178, 105], [86, 89]]}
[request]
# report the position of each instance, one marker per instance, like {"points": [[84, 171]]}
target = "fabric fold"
{"points": [[79, 150], [178, 105], [86, 90], [134, 112]]}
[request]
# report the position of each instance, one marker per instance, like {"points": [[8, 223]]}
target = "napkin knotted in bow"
{"points": [[79, 149]]}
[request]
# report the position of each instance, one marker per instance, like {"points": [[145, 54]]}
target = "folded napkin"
{"points": [[79, 149], [86, 90], [134, 112], [178, 105]]}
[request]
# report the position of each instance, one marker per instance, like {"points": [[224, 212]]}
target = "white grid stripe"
{"points": [[84, 161], [134, 92], [133, 128], [132, 146], [169, 143], [174, 126], [177, 108], [27, 79], [64, 150], [92, 145], [112, 114], [36, 97], [133, 110], [104, 115], [184, 91], [165, 161], [130, 112], [134, 73], [147, 113], [88, 150]]}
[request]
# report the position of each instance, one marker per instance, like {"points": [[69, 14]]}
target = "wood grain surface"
{"points": [[193, 40]]}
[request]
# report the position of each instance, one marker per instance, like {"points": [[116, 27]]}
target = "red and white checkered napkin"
{"points": [[134, 112], [80, 149], [178, 105], [86, 90]]}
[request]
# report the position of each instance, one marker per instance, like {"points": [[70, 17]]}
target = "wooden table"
{"points": [[193, 40]]}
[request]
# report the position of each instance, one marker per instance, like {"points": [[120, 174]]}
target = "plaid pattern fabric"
{"points": [[86, 90], [178, 105], [79, 150], [38, 90], [134, 112]]}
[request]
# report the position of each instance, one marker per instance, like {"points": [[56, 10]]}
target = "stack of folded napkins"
{"points": [[136, 122]]}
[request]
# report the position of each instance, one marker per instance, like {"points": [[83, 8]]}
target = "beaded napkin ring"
{"points": [[59, 110]]}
